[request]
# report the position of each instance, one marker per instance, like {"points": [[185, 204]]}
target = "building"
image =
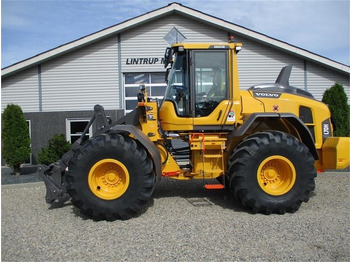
{"points": [[57, 89]]}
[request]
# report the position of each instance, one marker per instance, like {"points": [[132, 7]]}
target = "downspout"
{"points": [[40, 89], [120, 75], [305, 75]]}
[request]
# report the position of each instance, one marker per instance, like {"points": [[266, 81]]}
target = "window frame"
{"points": [[68, 128], [148, 86]]}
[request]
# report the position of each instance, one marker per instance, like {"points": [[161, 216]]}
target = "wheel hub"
{"points": [[269, 173], [108, 179], [276, 175], [111, 177]]}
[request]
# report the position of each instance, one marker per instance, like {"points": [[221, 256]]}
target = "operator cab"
{"points": [[198, 90]]}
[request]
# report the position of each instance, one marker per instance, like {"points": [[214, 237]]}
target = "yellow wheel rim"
{"points": [[276, 175], [108, 179]]}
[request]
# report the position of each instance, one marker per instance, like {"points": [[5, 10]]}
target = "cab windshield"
{"points": [[177, 90]]}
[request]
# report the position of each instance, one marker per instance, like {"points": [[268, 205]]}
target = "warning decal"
{"points": [[231, 117], [275, 108]]}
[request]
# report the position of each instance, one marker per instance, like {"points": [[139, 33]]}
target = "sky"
{"points": [[30, 27]]}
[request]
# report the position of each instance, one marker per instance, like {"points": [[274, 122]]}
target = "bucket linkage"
{"points": [[54, 174]]}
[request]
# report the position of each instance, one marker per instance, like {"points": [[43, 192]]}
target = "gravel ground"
{"points": [[183, 222]]}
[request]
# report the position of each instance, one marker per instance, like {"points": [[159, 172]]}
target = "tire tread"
{"points": [[77, 189], [239, 164]]}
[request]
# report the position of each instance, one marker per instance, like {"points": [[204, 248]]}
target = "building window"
{"points": [[74, 129], [174, 36], [155, 86]]}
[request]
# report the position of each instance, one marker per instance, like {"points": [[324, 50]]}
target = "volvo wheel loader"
{"points": [[265, 144]]}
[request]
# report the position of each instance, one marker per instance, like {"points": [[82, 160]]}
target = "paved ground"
{"points": [[28, 175], [184, 222]]}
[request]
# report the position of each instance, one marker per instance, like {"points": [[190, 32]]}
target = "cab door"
{"points": [[175, 111], [210, 89]]}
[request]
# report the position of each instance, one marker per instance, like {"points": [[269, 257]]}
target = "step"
{"points": [[212, 155], [214, 186]]}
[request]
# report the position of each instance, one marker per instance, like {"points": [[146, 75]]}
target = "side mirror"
{"points": [[167, 56]]}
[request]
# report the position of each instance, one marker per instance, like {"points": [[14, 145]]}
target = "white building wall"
{"points": [[80, 79], [21, 89], [147, 41], [320, 78], [259, 64]]}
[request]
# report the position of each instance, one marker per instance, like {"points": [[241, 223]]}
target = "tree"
{"points": [[58, 146], [336, 99], [15, 137]]}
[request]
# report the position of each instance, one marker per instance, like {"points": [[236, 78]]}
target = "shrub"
{"points": [[337, 101], [15, 137], [58, 146]]}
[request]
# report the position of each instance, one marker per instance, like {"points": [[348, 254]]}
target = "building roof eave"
{"points": [[155, 14]]}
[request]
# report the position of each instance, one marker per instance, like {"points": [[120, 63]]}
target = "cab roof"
{"points": [[208, 45]]}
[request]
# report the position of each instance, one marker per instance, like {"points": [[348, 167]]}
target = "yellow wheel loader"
{"points": [[265, 144]]}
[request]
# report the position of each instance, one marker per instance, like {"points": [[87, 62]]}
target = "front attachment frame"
{"points": [[54, 174]]}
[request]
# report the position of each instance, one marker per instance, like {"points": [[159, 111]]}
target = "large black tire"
{"points": [[110, 177], [271, 172]]}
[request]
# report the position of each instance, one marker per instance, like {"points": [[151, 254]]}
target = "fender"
{"points": [[293, 120], [145, 141], [129, 124]]}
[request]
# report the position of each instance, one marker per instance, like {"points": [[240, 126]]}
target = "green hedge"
{"points": [[58, 146], [337, 101], [15, 137]]}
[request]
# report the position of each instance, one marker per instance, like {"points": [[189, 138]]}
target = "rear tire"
{"points": [[110, 177], [272, 172]]}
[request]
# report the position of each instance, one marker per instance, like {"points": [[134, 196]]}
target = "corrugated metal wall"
{"points": [[147, 41], [21, 89], [259, 63], [83, 78], [320, 78]]}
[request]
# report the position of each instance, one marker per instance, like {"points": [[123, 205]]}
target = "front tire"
{"points": [[272, 172], [110, 177]]}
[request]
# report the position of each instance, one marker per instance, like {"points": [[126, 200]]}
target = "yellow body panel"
{"points": [[208, 155], [170, 167], [217, 117], [288, 103], [170, 121], [336, 153], [149, 120]]}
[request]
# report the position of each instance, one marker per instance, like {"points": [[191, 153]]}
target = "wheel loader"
{"points": [[265, 144]]}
